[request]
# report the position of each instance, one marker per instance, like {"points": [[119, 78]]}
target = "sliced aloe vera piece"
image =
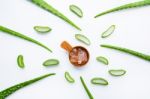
{"points": [[20, 61], [83, 39], [51, 62], [76, 10], [108, 32], [69, 78], [102, 60], [42, 29], [99, 81], [118, 72]]}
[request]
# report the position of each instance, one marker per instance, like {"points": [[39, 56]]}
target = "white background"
{"points": [[132, 31]]}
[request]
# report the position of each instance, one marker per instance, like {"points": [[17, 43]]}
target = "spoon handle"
{"points": [[65, 45]]}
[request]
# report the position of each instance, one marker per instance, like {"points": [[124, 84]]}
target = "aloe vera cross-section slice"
{"points": [[20, 61], [108, 32], [99, 81], [102, 59], [42, 29], [83, 39], [69, 78], [51, 62], [75, 9], [118, 72]]}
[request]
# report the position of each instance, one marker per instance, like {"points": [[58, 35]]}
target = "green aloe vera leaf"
{"points": [[129, 51], [22, 36], [126, 6], [7, 92], [86, 88]]}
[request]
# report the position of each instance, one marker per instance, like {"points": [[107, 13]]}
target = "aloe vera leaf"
{"points": [[86, 88], [20, 61], [126, 6], [51, 62], [69, 78], [7, 92], [83, 39], [22, 36], [76, 10], [108, 32], [129, 51], [99, 81], [42, 29], [118, 72], [102, 59], [54, 11]]}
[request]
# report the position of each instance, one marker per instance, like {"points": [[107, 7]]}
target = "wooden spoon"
{"points": [[78, 55]]}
